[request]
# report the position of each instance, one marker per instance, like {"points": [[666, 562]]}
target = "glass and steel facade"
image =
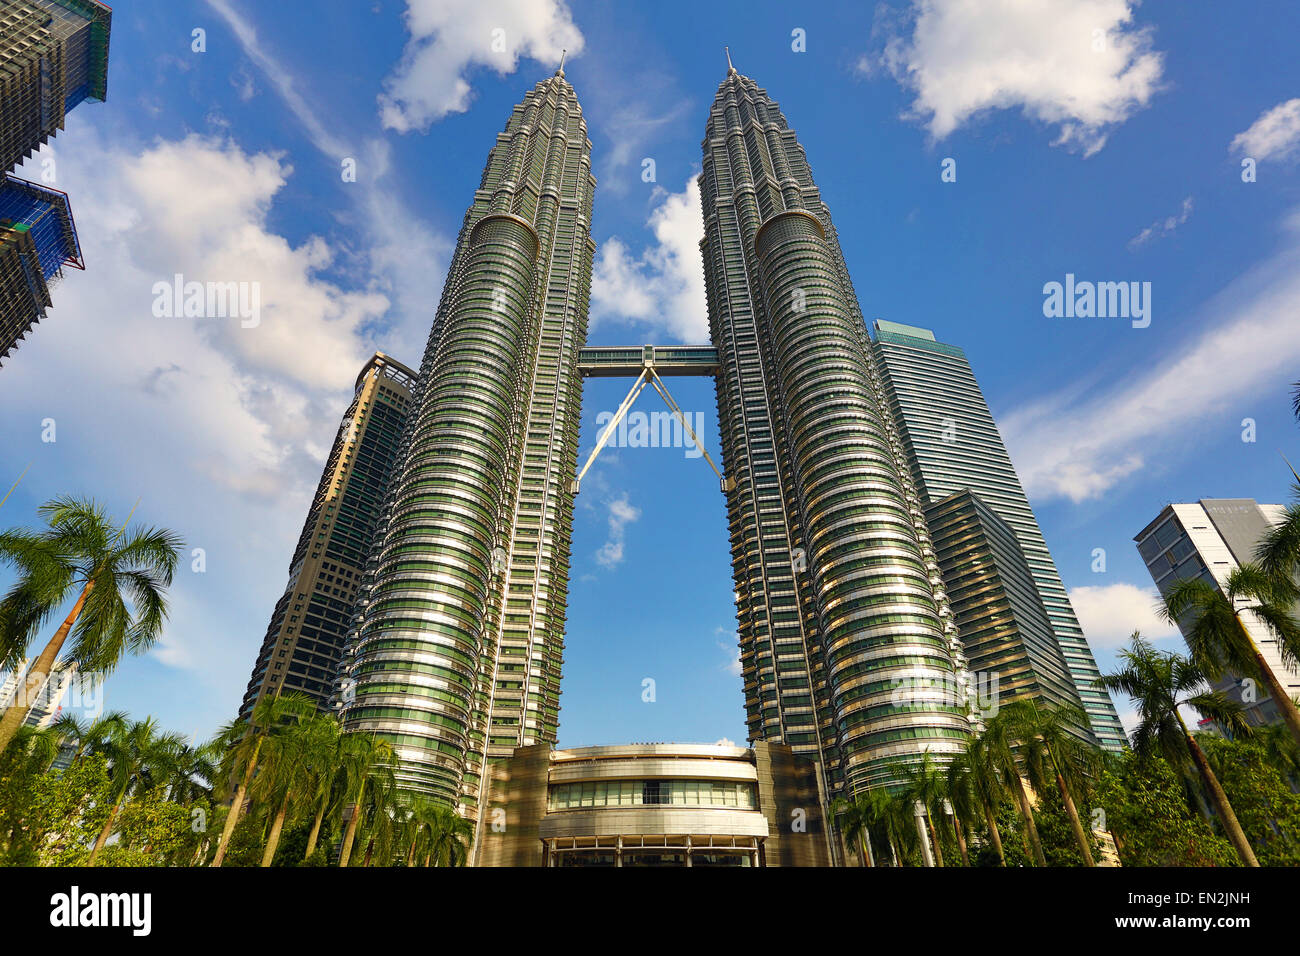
{"points": [[952, 444], [848, 651], [456, 660], [1004, 628], [1208, 539], [305, 639]]}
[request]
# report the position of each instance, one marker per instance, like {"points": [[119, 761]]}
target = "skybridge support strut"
{"points": [[648, 376]]}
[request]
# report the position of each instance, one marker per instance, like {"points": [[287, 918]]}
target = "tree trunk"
{"points": [[1075, 823], [237, 807], [315, 828], [370, 849], [1031, 828], [107, 832], [16, 712], [934, 838], [1221, 804], [994, 835], [961, 841], [1285, 705], [351, 834], [868, 858], [410, 856], [277, 827]]}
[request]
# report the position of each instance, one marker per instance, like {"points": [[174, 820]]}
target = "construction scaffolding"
{"points": [[53, 56], [38, 238]]}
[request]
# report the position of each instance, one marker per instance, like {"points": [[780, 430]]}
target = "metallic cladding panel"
{"points": [[835, 582]]}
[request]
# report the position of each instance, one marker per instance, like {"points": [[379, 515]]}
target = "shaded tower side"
{"points": [[305, 638], [458, 654], [952, 443], [847, 648], [1005, 631]]}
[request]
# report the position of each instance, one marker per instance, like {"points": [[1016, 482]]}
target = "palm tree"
{"points": [[243, 741], [81, 552], [1053, 754], [382, 817], [854, 819], [84, 737], [1000, 737], [138, 756], [365, 756], [923, 786], [974, 780], [1280, 749], [323, 776], [451, 835], [1217, 635], [1160, 684], [284, 759]]}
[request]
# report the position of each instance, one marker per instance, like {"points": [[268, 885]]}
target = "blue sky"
{"points": [[1093, 137]]}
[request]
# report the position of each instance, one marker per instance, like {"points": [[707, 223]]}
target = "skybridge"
{"points": [[649, 365]]}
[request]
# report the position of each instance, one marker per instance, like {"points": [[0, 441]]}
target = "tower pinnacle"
{"points": [[730, 68], [560, 71]]}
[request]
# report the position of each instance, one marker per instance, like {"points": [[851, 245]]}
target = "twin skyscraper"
{"points": [[886, 563]]}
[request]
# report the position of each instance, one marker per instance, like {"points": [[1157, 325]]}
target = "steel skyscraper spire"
{"points": [[847, 647], [457, 657]]}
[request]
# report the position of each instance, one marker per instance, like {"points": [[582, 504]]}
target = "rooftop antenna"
{"points": [[730, 68], [560, 71]]}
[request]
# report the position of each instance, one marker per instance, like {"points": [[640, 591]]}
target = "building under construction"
{"points": [[38, 238], [53, 56]]}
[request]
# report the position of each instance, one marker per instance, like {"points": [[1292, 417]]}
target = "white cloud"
{"points": [[1079, 65], [662, 289], [447, 37], [221, 430], [621, 514], [1079, 443], [1275, 135], [405, 255], [724, 742], [1110, 613], [1163, 227]]}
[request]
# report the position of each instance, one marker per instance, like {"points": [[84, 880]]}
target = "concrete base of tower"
{"points": [[655, 805]]}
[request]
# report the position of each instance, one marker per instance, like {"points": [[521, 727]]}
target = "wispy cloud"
{"points": [[1163, 227], [630, 129], [731, 648], [1275, 135], [1078, 444], [1078, 65], [621, 514], [324, 139], [404, 252]]}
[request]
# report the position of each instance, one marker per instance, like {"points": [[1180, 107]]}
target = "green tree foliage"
{"points": [[1145, 802]]}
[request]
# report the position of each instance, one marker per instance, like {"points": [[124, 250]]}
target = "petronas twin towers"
{"points": [[849, 650]]}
